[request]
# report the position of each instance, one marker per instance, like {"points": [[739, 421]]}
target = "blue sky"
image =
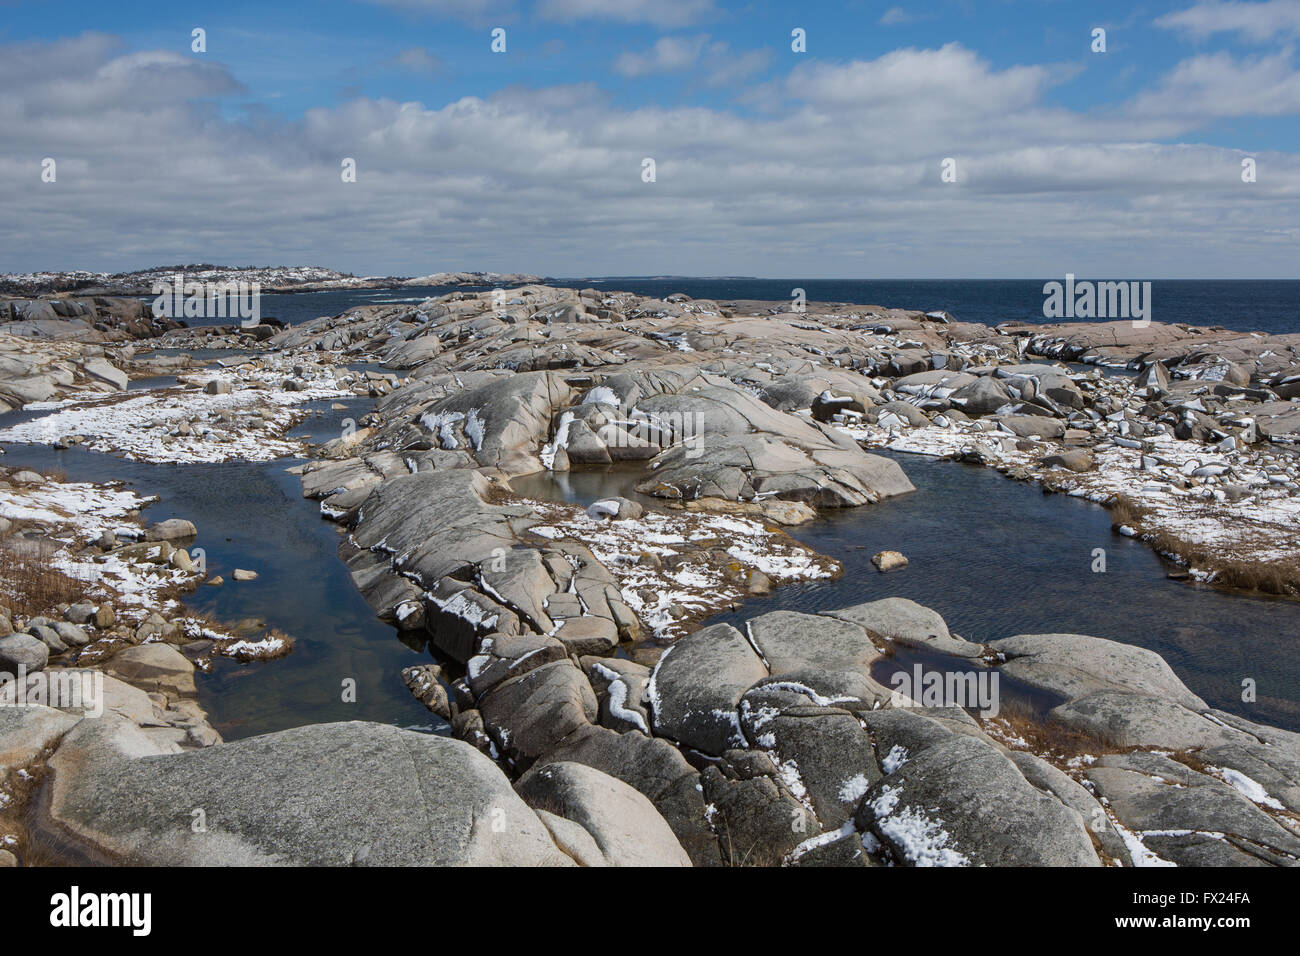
{"points": [[769, 162]]}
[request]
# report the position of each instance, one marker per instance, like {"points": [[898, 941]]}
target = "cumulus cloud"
{"points": [[678, 54], [1256, 21], [1220, 85], [840, 177], [669, 54]]}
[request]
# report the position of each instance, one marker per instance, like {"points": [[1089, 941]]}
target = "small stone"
{"points": [[1078, 460], [71, 634], [49, 636], [23, 650], [170, 530], [83, 612], [889, 561], [240, 574]]}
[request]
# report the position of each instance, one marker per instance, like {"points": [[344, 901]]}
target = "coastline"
{"points": [[525, 602]]}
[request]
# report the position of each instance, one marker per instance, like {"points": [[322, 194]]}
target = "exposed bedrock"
{"points": [[777, 744]]}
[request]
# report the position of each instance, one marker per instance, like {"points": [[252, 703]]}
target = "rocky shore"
{"points": [[269, 279], [594, 720]]}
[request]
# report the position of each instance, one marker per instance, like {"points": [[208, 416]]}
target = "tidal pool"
{"points": [[998, 557], [994, 556], [254, 516]]}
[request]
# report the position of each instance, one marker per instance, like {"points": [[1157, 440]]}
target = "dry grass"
{"points": [[1045, 737], [1126, 511], [1279, 578], [32, 848], [30, 586]]}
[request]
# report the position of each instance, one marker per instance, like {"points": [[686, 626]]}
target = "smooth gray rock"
{"points": [[1031, 426], [625, 825], [528, 716], [170, 530], [22, 650], [959, 802], [1124, 719], [758, 821], [323, 795], [71, 634], [826, 758], [655, 768], [1187, 817], [105, 371], [791, 641], [697, 685], [908, 623], [1074, 665], [983, 396], [26, 732]]}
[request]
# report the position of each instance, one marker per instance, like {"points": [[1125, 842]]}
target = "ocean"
{"points": [[1247, 305]]}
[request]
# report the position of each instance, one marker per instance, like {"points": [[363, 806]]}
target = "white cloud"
{"points": [[895, 16], [1257, 21], [1219, 85], [668, 55], [678, 54], [839, 177], [950, 81]]}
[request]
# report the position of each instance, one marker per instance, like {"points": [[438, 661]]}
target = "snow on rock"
{"points": [[921, 840], [184, 425]]}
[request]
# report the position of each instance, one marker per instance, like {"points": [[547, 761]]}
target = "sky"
{"points": [[951, 139]]}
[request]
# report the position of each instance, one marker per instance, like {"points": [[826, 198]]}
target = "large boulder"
{"points": [[960, 802], [983, 396], [1181, 816], [159, 667], [501, 423], [907, 623], [22, 650], [26, 732], [697, 685], [624, 824], [1074, 665], [529, 715], [355, 793]]}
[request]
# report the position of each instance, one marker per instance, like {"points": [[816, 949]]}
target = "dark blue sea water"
{"points": [[1271, 306], [1248, 305]]}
